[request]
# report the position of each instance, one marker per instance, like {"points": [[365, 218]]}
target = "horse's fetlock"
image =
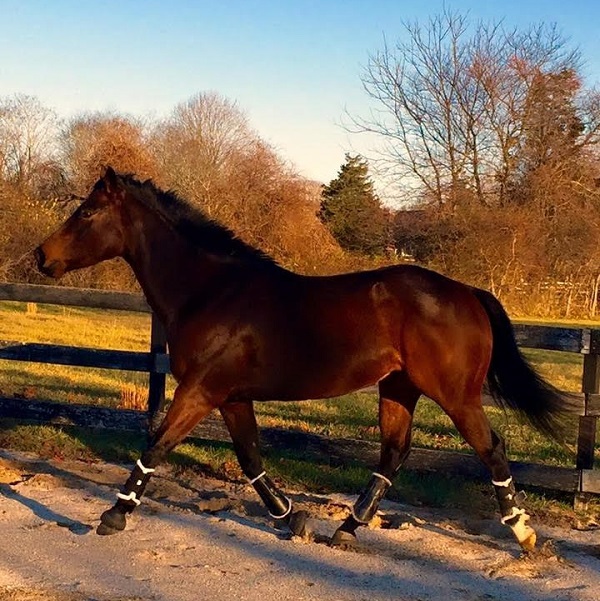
{"points": [[366, 506]]}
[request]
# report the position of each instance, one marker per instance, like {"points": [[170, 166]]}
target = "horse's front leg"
{"points": [[241, 422], [190, 404]]}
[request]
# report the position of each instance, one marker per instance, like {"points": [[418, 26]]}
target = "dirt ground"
{"points": [[204, 539]]}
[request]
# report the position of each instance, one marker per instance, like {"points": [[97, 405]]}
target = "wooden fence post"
{"points": [[157, 380], [586, 439]]}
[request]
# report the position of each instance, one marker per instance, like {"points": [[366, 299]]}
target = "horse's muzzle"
{"points": [[53, 269]]}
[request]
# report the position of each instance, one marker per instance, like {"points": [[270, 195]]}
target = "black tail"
{"points": [[514, 383]]}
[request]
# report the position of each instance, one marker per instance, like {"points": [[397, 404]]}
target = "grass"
{"points": [[71, 326], [74, 326], [352, 416]]}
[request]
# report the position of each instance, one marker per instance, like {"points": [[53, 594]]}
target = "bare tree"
{"points": [[27, 139], [195, 145], [416, 86], [90, 142], [450, 104]]}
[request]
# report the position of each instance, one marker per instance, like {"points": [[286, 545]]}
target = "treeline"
{"points": [[489, 137]]}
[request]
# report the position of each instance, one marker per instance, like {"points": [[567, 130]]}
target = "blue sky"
{"points": [[292, 66]]}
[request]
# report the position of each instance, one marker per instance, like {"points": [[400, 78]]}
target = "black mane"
{"points": [[197, 228]]}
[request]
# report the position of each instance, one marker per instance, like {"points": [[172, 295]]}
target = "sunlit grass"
{"points": [[51, 441], [563, 369], [65, 384], [355, 416], [74, 326], [51, 324], [351, 416]]}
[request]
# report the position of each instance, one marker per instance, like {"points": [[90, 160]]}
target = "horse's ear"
{"points": [[111, 180]]}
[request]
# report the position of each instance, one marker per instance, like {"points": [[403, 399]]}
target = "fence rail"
{"points": [[155, 362], [585, 341]]}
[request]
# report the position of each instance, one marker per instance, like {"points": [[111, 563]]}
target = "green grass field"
{"points": [[352, 416]]}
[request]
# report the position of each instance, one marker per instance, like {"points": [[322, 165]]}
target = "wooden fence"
{"points": [[581, 479]]}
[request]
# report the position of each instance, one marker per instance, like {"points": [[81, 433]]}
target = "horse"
{"points": [[241, 329]]}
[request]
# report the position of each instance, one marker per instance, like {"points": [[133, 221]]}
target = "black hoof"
{"points": [[297, 523], [344, 540], [111, 522], [104, 530]]}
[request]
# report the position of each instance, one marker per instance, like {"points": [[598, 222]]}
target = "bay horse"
{"points": [[241, 328]]}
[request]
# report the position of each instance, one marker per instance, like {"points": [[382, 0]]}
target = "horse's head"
{"points": [[93, 233]]}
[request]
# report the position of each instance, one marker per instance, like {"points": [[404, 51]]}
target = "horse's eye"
{"points": [[86, 213]]}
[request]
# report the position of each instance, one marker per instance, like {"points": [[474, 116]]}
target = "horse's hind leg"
{"points": [[397, 400], [189, 406], [241, 422], [473, 424]]}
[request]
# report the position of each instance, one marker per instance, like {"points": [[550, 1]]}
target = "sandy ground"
{"points": [[209, 540]]}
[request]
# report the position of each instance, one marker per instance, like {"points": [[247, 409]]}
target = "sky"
{"points": [[294, 67]]}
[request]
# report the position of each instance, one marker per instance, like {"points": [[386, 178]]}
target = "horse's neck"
{"points": [[167, 268]]}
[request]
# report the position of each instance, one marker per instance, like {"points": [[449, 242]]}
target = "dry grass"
{"points": [[133, 396], [74, 326]]}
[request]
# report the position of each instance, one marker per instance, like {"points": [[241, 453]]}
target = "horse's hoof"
{"points": [[297, 523], [104, 530], [528, 544], [112, 521], [524, 533], [344, 540]]}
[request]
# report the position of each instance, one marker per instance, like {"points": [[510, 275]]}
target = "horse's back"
{"points": [[401, 291], [350, 330]]}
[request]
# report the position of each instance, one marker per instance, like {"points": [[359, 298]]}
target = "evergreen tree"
{"points": [[549, 156], [551, 125], [352, 211]]}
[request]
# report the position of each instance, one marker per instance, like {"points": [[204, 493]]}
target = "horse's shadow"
{"points": [[43, 512]]}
